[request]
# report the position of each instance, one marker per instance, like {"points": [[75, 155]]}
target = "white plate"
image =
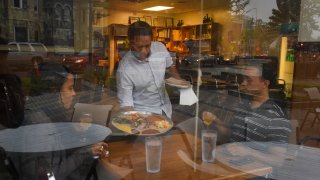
{"points": [[139, 131]]}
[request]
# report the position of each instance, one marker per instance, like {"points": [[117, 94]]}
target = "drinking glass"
{"points": [[208, 142], [85, 122], [153, 154]]}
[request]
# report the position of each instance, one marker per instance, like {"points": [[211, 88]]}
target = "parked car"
{"points": [[79, 61], [25, 55], [206, 60]]}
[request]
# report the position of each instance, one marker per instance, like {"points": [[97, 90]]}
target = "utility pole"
{"points": [[253, 24]]}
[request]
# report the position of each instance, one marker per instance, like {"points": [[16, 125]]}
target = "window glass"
{"points": [[84, 52], [36, 5], [13, 47], [17, 3], [230, 87], [24, 47], [38, 47]]}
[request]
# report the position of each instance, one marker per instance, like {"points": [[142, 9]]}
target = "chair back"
{"points": [[313, 93], [100, 113]]}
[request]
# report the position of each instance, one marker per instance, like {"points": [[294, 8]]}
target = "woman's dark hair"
{"points": [[139, 28], [52, 77]]}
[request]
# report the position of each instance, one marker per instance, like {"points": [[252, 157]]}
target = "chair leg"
{"points": [[304, 120], [314, 121], [316, 118]]}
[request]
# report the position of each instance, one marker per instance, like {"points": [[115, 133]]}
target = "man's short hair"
{"points": [[269, 73], [266, 72], [139, 28]]}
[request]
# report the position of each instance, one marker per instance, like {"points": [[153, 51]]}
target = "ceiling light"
{"points": [[157, 8]]}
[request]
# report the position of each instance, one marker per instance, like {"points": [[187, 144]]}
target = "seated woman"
{"points": [[51, 95], [53, 102]]}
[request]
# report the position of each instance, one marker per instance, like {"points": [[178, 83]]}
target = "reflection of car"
{"points": [[228, 59], [205, 60], [24, 55], [79, 61]]}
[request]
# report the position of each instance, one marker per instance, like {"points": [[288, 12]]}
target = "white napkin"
{"points": [[187, 96]]}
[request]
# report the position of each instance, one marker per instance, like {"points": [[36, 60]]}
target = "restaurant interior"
{"points": [[61, 68]]}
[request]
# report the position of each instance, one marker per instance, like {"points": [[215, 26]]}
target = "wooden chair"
{"points": [[314, 105], [294, 136], [100, 113]]}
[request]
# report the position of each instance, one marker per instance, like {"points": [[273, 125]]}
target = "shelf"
{"points": [[204, 39]]}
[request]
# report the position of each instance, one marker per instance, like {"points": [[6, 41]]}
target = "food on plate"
{"points": [[155, 118], [162, 124], [141, 123], [123, 127], [150, 131]]}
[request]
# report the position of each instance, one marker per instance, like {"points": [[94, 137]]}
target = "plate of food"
{"points": [[179, 83], [141, 123]]}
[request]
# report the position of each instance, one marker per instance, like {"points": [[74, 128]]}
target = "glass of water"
{"points": [[85, 120], [153, 153], [208, 142]]}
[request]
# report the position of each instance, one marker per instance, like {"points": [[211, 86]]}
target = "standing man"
{"points": [[141, 73]]}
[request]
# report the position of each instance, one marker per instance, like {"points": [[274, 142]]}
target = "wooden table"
{"points": [[176, 162]]}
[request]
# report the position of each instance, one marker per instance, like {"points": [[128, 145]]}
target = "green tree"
{"points": [[288, 11], [310, 18], [238, 6]]}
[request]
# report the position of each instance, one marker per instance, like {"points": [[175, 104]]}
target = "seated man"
{"points": [[259, 118]]}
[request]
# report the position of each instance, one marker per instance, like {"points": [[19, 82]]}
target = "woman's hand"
{"points": [[100, 149]]}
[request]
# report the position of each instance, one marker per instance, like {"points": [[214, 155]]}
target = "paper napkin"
{"points": [[187, 96]]}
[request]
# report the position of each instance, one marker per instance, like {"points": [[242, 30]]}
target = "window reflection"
{"points": [[210, 43]]}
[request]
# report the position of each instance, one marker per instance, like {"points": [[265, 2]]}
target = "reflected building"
{"points": [[58, 22], [48, 22], [22, 20]]}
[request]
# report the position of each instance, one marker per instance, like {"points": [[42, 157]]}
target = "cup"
{"points": [[85, 122], [208, 144], [153, 154]]}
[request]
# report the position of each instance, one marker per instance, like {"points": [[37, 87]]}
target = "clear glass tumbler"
{"points": [[153, 154], [208, 142]]}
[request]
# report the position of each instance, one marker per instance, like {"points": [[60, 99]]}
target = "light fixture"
{"points": [[157, 8]]}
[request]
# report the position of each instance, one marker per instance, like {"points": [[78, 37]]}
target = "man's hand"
{"points": [[127, 108], [174, 72], [208, 118]]}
